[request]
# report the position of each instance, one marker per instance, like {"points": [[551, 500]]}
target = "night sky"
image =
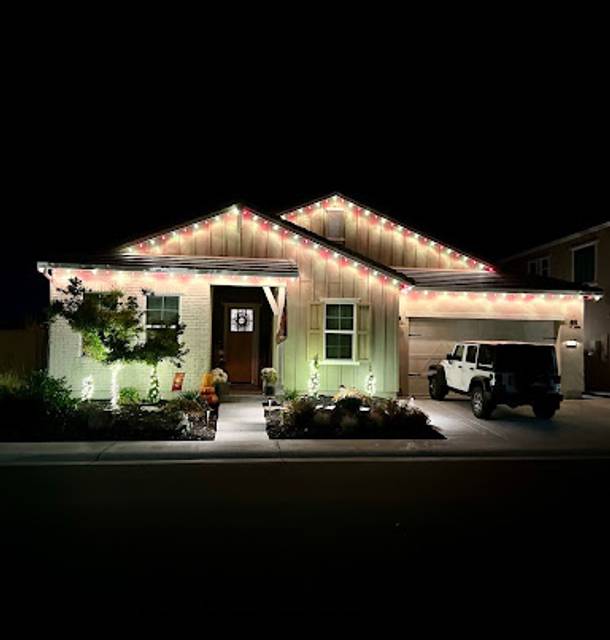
{"points": [[490, 169]]}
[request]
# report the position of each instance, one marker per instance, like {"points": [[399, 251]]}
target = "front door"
{"points": [[241, 343]]}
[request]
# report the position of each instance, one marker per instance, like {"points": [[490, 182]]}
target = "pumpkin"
{"points": [[206, 391], [207, 380], [212, 399]]}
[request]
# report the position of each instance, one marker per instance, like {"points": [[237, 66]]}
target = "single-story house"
{"points": [[331, 280]]}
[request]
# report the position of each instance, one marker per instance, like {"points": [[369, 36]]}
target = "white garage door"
{"points": [[430, 339]]}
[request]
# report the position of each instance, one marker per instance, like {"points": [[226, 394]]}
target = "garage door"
{"points": [[430, 339]]}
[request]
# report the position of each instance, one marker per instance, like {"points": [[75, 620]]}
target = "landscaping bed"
{"points": [[39, 408], [348, 417]]}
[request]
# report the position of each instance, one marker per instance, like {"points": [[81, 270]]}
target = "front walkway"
{"points": [[241, 418]]}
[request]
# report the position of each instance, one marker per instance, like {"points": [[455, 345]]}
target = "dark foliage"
{"points": [[349, 417], [40, 408]]}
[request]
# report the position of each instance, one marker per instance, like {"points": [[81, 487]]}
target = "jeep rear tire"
{"points": [[437, 386], [544, 409], [481, 402]]}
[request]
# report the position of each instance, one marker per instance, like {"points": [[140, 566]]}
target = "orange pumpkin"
{"points": [[208, 390], [212, 399]]}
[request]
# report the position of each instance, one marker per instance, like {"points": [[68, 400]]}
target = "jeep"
{"points": [[493, 373]]}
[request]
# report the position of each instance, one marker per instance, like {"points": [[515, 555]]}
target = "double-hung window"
{"points": [[340, 331], [162, 313]]}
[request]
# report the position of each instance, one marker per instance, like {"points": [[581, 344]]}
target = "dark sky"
{"points": [[492, 157]]}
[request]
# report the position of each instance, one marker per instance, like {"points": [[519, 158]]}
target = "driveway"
{"points": [[578, 425]]}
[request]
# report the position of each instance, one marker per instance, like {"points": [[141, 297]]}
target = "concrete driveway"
{"points": [[578, 425]]}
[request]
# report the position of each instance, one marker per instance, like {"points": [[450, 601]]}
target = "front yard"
{"points": [[39, 408]]}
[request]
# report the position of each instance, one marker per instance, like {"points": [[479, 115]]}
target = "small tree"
{"points": [[111, 327], [109, 324], [161, 344]]}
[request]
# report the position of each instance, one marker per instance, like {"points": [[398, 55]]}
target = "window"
{"points": [[335, 225], [339, 331], [458, 352], [539, 267], [471, 353], [242, 320], [584, 264], [162, 312], [486, 354]]}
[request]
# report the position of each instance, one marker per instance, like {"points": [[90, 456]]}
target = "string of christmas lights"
{"points": [[188, 278], [377, 218]]}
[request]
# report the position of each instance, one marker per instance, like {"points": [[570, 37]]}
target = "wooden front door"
{"points": [[241, 342]]}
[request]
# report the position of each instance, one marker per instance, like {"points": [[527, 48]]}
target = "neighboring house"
{"points": [[581, 257], [23, 349], [330, 279]]}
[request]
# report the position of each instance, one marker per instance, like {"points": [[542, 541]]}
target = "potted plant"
{"points": [[220, 381], [269, 376]]}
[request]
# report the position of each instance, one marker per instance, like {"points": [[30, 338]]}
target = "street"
{"points": [[312, 534]]}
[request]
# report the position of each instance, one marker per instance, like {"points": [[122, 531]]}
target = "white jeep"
{"points": [[493, 373]]}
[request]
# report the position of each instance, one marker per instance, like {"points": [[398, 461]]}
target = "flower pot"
{"points": [[268, 389]]}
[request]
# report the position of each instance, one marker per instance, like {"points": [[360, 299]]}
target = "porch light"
{"points": [[571, 344]]}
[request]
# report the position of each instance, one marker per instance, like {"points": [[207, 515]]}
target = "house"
{"points": [[579, 257], [331, 280]]}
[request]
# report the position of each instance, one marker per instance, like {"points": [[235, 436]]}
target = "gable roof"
{"points": [[339, 199], [330, 249], [552, 243]]}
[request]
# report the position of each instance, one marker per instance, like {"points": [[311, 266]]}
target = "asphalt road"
{"points": [[313, 535]]}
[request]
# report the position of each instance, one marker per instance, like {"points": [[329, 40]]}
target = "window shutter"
{"points": [[316, 326], [364, 332]]}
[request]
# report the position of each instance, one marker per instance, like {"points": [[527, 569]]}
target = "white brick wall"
{"points": [[65, 358]]}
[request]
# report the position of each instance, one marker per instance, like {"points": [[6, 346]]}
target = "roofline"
{"points": [[387, 217], [350, 254], [106, 266], [552, 243]]}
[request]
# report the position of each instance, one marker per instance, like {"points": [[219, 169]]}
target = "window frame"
{"points": [[353, 302], [537, 262], [334, 212], [476, 353], [148, 326], [592, 243]]}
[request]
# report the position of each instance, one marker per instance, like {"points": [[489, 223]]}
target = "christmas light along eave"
{"points": [[297, 234], [374, 216], [508, 296]]}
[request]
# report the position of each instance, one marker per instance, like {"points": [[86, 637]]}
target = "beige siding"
{"points": [[460, 317]]}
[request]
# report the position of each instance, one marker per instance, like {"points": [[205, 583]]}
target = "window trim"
{"points": [[354, 331], [326, 224], [591, 243], [148, 326], [538, 262]]}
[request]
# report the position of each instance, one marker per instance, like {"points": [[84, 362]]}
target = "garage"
{"points": [[428, 340]]}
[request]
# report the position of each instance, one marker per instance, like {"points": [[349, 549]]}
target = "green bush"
{"points": [[129, 396], [10, 381], [188, 402]]}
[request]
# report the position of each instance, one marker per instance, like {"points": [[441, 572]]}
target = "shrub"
{"points": [[290, 395], [10, 381], [351, 416], [129, 396], [186, 403]]}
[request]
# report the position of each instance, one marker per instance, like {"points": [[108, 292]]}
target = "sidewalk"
{"points": [[581, 429]]}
